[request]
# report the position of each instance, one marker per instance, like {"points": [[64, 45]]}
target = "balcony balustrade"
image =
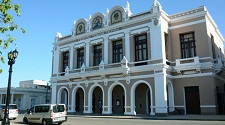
{"points": [[181, 66], [195, 64]]}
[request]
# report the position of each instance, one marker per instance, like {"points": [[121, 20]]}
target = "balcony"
{"points": [[195, 65], [120, 69], [186, 66]]}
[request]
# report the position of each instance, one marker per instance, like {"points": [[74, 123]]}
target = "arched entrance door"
{"points": [[64, 97], [118, 100], [97, 100], [142, 90], [79, 100], [142, 99], [170, 97]]}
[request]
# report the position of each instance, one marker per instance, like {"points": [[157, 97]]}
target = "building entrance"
{"points": [[192, 100]]}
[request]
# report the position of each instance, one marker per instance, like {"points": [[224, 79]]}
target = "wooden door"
{"points": [[192, 99]]}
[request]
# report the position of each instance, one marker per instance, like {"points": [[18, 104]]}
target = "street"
{"points": [[113, 121]]}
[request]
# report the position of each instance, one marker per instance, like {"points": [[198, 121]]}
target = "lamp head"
{"points": [[10, 55], [15, 54]]}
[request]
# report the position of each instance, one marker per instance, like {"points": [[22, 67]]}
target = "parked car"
{"points": [[46, 114], [13, 111]]}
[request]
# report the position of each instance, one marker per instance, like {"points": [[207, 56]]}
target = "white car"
{"points": [[46, 114], [13, 111]]}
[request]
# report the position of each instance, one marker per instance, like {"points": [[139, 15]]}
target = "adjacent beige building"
{"points": [[147, 63]]}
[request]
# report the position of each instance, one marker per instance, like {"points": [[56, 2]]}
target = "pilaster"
{"points": [[12, 96], [87, 53], [1, 99], [127, 45], [55, 60], [157, 40], [54, 95], [71, 57], [106, 49], [160, 93]]}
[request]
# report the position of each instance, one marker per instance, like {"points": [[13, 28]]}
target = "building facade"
{"points": [[149, 63], [29, 93]]}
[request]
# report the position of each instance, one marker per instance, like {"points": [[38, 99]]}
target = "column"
{"points": [[87, 53], [149, 45], [41, 98], [129, 107], [127, 45], [1, 99], [105, 109], [71, 57], [160, 93], [12, 96], [87, 107], [54, 96], [106, 49], [24, 102], [55, 56]]}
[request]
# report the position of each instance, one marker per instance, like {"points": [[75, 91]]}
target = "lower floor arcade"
{"points": [[155, 95]]}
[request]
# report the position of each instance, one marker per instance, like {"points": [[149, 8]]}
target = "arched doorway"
{"points": [[79, 100], [118, 100], [142, 90], [170, 97], [97, 100], [63, 96], [142, 99]]}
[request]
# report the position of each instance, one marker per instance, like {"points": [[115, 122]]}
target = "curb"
{"points": [[183, 117]]}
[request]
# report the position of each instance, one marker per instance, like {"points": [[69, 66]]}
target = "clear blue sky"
{"points": [[42, 19]]}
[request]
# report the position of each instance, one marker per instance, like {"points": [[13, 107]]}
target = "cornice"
{"points": [[179, 18], [214, 25]]}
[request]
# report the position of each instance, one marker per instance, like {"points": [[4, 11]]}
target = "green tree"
{"points": [[7, 25]]}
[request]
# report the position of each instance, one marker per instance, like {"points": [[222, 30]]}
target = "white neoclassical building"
{"points": [[147, 63], [29, 93]]}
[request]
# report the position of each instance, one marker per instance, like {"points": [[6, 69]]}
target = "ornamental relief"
{"points": [[116, 17], [80, 28], [97, 23]]}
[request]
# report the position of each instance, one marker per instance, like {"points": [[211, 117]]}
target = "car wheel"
{"points": [[44, 122], [25, 120], [14, 118], [60, 123]]}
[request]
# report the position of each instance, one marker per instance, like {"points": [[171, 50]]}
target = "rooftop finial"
{"points": [[107, 11], [156, 7], [155, 2], [128, 9], [128, 6]]}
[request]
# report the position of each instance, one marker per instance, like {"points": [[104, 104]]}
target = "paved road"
{"points": [[114, 121]]}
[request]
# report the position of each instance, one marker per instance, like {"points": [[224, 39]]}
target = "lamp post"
{"points": [[12, 57]]}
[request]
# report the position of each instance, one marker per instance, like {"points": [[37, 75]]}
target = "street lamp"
{"points": [[12, 57]]}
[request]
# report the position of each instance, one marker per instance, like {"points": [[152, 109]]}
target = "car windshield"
{"points": [[10, 107], [58, 108]]}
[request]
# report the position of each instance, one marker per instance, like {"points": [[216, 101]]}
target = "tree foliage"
{"points": [[7, 25]]}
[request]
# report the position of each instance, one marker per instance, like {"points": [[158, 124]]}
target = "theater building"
{"points": [[147, 63]]}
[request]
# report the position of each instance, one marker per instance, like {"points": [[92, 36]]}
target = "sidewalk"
{"points": [[169, 117]]}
